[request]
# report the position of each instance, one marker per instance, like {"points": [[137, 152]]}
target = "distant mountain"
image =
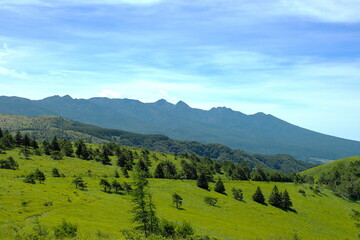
{"points": [[46, 127], [260, 133]]}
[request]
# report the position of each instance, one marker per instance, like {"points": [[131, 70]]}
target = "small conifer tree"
{"points": [[258, 196], [39, 175], [105, 184], [177, 200], [202, 182], [219, 186], [116, 186], [159, 171], [286, 201], [275, 198], [55, 172]]}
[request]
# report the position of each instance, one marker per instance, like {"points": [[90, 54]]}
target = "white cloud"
{"points": [[323, 10], [165, 95], [12, 73], [108, 93], [78, 2]]}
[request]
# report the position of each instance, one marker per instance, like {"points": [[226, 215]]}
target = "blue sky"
{"points": [[296, 59]]}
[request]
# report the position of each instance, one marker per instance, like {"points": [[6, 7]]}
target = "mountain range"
{"points": [[257, 133]]}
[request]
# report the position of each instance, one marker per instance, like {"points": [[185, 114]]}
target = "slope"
{"points": [[46, 127], [316, 172], [101, 215]]}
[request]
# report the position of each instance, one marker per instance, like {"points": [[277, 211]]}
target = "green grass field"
{"points": [[102, 215], [317, 171]]}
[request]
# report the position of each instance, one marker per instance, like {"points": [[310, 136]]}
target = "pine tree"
{"points": [[55, 146], [30, 178], [55, 172], [18, 138], [125, 172], [79, 183], [1, 133], [39, 175], [34, 143], [258, 196], [116, 186], [219, 186], [275, 198], [153, 219], [143, 210], [26, 141], [286, 201], [202, 182], [159, 171], [105, 184], [67, 148], [81, 150], [26, 152], [143, 167], [121, 162], [177, 200], [46, 147]]}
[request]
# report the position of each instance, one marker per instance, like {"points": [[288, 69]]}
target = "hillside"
{"points": [[316, 172], [46, 127], [25, 208], [258, 133], [341, 176]]}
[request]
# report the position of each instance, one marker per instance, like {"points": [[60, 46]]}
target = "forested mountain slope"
{"points": [[46, 127]]}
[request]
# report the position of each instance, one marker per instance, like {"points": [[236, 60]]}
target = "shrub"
{"points": [[30, 178], [302, 192], [238, 194], [185, 230], [168, 229], [55, 172], [65, 230], [219, 186], [177, 200], [9, 163], [210, 200]]}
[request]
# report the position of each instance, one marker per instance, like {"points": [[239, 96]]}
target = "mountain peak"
{"points": [[182, 104], [161, 101], [67, 97], [221, 109]]}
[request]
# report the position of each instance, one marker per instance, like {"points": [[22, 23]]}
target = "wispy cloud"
{"points": [[295, 59], [78, 2], [336, 11]]}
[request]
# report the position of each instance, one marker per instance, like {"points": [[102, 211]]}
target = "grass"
{"points": [[317, 171], [102, 215]]}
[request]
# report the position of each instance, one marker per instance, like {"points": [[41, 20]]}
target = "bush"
{"points": [[210, 200], [185, 230], [56, 155], [65, 230], [9, 163], [177, 200], [238, 194], [302, 192], [168, 229], [30, 178]]}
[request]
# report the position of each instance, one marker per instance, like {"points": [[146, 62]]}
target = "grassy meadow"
{"points": [[101, 215]]}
